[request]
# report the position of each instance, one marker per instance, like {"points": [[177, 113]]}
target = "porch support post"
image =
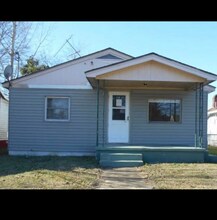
{"points": [[196, 117], [97, 114], [201, 115], [103, 113]]}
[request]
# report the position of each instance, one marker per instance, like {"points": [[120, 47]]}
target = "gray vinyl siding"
{"points": [[3, 119], [143, 132], [30, 132]]}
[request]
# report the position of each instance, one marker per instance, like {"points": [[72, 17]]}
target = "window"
{"points": [[118, 107], [57, 109], [161, 110]]}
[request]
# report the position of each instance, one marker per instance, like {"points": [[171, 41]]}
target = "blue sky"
{"points": [[194, 43]]}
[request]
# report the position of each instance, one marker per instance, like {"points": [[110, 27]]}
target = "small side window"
{"points": [[57, 109]]}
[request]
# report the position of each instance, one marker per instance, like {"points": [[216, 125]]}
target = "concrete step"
{"points": [[120, 156], [121, 163]]}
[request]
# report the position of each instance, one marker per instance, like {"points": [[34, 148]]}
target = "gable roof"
{"points": [[152, 57], [107, 51]]}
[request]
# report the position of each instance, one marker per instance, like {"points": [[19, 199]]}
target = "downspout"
{"points": [[97, 114], [9, 117]]}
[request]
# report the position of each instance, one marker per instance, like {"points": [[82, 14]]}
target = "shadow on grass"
{"points": [[19, 164]]}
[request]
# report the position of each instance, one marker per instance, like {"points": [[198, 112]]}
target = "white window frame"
{"points": [[58, 97]]}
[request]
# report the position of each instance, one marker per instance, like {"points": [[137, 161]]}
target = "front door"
{"points": [[118, 121]]}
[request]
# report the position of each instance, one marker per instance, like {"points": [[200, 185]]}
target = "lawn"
{"points": [[181, 176], [84, 173], [212, 150], [48, 172]]}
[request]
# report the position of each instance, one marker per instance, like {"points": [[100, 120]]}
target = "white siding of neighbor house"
{"points": [[3, 119], [212, 128], [212, 122]]}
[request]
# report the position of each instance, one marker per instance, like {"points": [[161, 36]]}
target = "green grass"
{"points": [[181, 176], [3, 151], [212, 150], [48, 172]]}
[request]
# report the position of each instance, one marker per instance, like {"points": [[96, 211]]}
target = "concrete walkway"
{"points": [[122, 178]]}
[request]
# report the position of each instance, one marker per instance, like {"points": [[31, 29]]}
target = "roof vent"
{"points": [[109, 56]]}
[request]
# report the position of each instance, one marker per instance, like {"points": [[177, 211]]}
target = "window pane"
{"points": [[118, 114], [57, 103], [57, 114], [118, 101], [57, 108], [164, 110]]}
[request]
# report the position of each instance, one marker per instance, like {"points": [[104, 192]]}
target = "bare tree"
{"points": [[21, 40], [14, 41], [4, 32]]}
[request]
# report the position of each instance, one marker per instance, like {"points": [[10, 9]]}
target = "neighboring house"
{"points": [[3, 117], [212, 123], [122, 109]]}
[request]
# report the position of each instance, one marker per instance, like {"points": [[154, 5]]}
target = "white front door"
{"points": [[118, 121]]}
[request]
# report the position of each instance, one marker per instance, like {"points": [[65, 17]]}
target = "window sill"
{"points": [[54, 120]]}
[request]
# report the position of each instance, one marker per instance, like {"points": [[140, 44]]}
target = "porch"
{"points": [[127, 155], [150, 109]]}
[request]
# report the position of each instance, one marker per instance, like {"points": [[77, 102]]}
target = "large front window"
{"points": [[168, 110], [57, 108]]}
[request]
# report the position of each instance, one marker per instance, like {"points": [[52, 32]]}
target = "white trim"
{"points": [[49, 153], [57, 120], [60, 86], [154, 57]]}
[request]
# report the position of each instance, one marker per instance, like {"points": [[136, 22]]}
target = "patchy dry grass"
{"points": [[181, 176], [48, 172], [212, 150]]}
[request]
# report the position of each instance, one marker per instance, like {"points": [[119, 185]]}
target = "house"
{"points": [[212, 123], [3, 117], [125, 110]]}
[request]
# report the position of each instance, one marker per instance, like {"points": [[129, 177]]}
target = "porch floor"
{"points": [[123, 155]]}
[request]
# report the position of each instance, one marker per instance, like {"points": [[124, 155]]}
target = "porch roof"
{"points": [[150, 70]]}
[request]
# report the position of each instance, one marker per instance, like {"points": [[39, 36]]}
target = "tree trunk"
{"points": [[13, 39]]}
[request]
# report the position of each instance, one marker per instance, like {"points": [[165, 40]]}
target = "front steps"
{"points": [[108, 159]]}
